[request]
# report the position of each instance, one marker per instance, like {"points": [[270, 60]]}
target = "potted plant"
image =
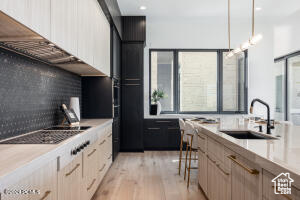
{"points": [[157, 95]]}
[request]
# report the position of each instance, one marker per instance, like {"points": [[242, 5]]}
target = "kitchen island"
{"points": [[231, 168]]}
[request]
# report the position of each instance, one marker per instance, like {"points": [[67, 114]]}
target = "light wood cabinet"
{"points": [[246, 179], [102, 164], [224, 182], [85, 24], [101, 41], [218, 180], [90, 171], [70, 180], [41, 184], [35, 14], [202, 170], [64, 24], [269, 193], [212, 189], [79, 27]]}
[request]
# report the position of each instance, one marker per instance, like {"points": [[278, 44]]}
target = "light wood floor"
{"points": [[151, 175]]}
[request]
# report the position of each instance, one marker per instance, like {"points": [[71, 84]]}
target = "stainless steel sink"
{"points": [[247, 135]]}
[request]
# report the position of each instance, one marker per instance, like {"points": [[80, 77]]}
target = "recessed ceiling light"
{"points": [[258, 8], [143, 7]]}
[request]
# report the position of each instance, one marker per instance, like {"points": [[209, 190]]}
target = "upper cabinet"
{"points": [[134, 29], [64, 24], [35, 14], [85, 30], [79, 27], [101, 40]]}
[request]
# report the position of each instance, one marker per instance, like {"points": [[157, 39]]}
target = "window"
{"points": [[294, 90], [279, 72], [162, 77], [287, 84], [233, 83], [199, 81]]}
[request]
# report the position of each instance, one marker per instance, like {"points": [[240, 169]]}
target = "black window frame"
{"points": [[176, 83], [286, 58]]}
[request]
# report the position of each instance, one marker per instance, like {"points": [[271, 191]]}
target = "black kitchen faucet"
{"points": [[269, 126]]}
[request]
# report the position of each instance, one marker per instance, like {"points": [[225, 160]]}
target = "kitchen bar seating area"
{"points": [[149, 100]]}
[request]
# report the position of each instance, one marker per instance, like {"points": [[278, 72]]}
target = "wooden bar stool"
{"points": [[192, 134]]}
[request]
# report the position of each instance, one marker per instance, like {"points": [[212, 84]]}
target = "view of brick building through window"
{"points": [[198, 80]]}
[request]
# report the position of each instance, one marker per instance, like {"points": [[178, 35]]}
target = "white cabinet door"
{"points": [[245, 185], [41, 184], [105, 44], [70, 180], [90, 171], [202, 170], [101, 41], [85, 29], [35, 14], [64, 24], [212, 182]]}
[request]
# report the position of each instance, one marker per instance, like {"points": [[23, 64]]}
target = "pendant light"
{"points": [[251, 42]]}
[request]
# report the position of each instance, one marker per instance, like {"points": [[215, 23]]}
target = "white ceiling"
{"points": [[207, 8]]}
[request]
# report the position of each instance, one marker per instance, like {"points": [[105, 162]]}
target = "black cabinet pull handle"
{"points": [[163, 121], [132, 79], [153, 128], [132, 84]]}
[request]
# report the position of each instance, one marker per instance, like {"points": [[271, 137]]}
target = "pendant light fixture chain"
{"points": [[229, 31], [249, 43]]}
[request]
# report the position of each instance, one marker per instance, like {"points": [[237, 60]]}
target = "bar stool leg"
{"points": [[190, 159], [180, 154], [186, 157]]}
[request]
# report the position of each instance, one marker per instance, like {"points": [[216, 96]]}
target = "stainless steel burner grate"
{"points": [[42, 137]]}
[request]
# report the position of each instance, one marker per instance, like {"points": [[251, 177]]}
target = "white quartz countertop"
{"points": [[274, 155], [15, 158]]}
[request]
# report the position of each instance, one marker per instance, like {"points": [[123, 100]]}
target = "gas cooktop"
{"points": [[43, 137], [68, 128]]}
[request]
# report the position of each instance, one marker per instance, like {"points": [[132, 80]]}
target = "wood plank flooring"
{"points": [[152, 175]]}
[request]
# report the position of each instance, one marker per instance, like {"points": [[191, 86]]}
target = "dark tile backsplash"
{"points": [[31, 94]]}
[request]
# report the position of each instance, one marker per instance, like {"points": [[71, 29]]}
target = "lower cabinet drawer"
{"points": [[202, 141], [269, 189], [215, 149], [41, 184], [70, 180], [155, 138]]}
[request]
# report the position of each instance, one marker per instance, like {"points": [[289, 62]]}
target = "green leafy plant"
{"points": [[157, 95]]}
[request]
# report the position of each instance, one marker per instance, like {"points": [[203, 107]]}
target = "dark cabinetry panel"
{"points": [[132, 95], [161, 134], [132, 106], [134, 28], [97, 97], [132, 118], [132, 62]]}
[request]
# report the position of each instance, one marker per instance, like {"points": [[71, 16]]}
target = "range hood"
{"points": [[21, 40]]}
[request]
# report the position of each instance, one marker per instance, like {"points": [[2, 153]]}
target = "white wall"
{"points": [[286, 35], [212, 34]]}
